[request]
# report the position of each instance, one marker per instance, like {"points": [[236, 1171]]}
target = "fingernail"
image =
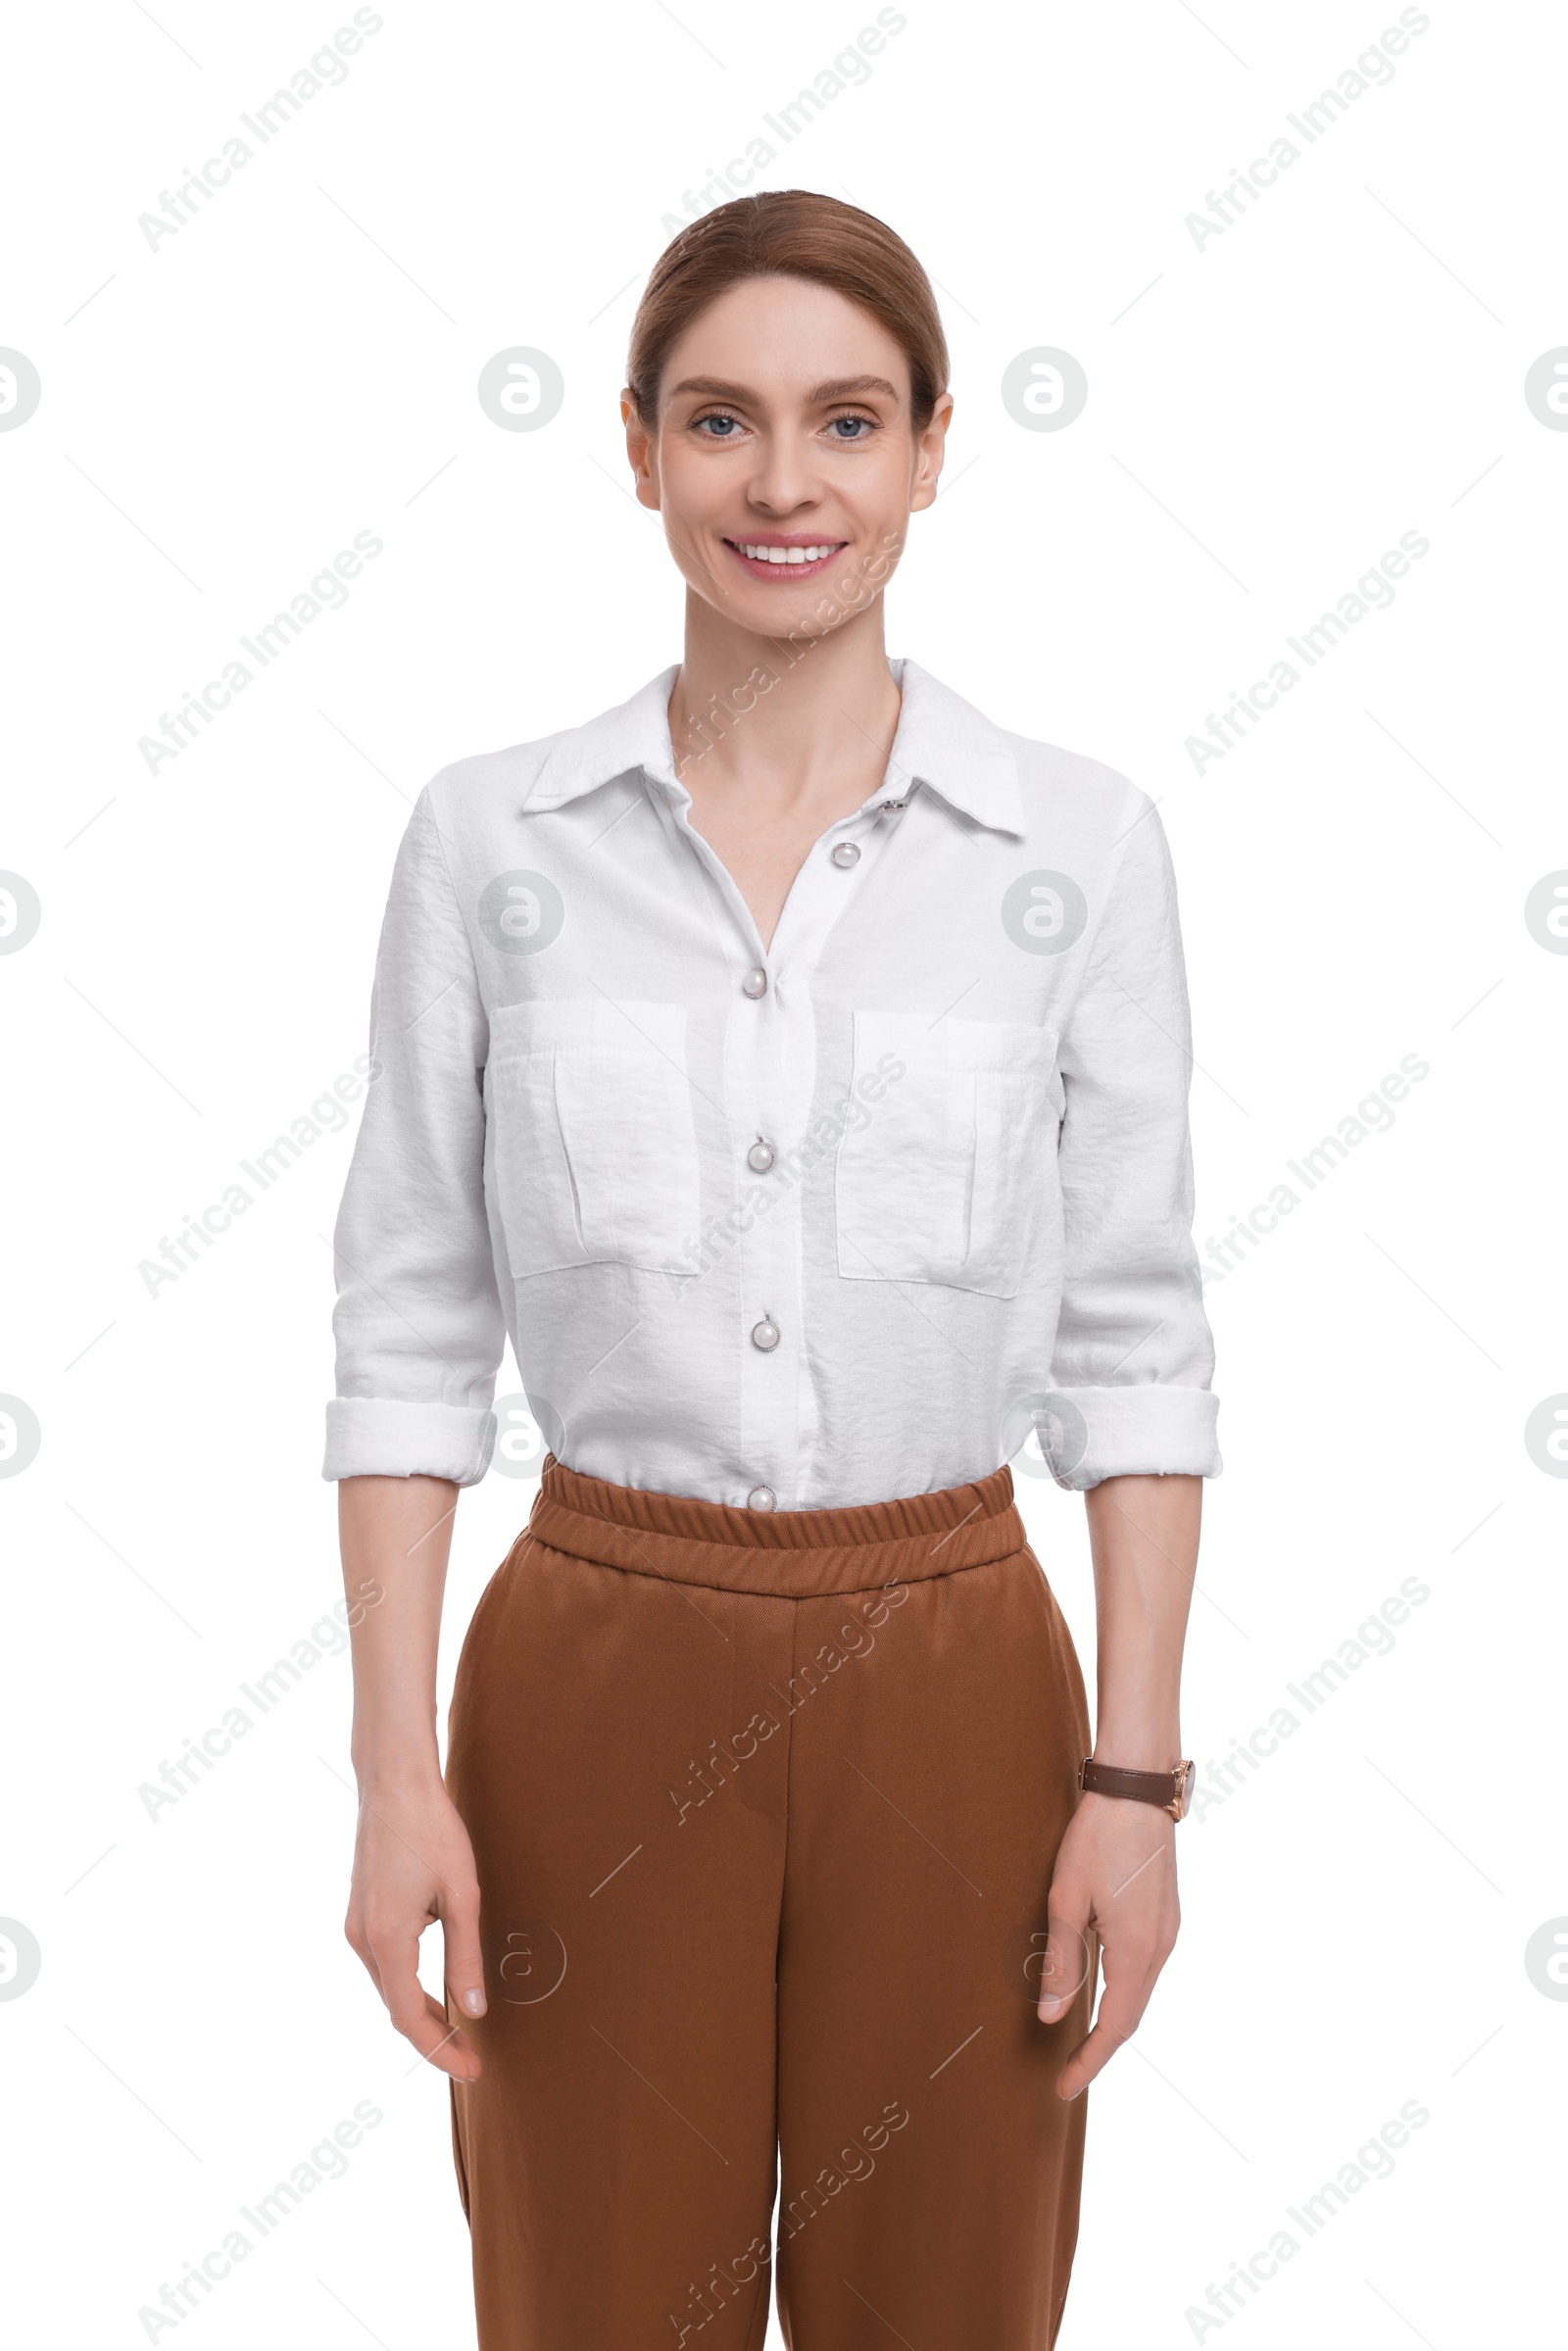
{"points": [[473, 2001]]}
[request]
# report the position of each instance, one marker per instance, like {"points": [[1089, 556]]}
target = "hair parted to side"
{"points": [[790, 232]]}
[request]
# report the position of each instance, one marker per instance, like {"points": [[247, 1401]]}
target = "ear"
{"points": [[640, 452], [930, 451]]}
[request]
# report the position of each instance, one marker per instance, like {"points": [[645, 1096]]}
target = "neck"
{"points": [[779, 715]]}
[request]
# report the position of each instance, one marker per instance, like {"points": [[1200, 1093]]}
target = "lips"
{"points": [[796, 556]]}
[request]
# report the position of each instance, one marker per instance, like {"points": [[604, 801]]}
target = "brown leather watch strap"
{"points": [[1171, 1791]]}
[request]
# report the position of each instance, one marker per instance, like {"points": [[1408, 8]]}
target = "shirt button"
{"points": [[755, 982], [759, 1158], [760, 1498], [766, 1334], [847, 852]]}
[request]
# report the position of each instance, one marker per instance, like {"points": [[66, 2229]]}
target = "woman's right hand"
{"points": [[413, 1864]]}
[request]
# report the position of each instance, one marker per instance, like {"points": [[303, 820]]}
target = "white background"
{"points": [[1268, 414]]}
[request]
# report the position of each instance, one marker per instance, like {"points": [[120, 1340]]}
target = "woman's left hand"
{"points": [[1115, 1877]]}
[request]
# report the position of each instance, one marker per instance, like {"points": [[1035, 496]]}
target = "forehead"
{"points": [[782, 337]]}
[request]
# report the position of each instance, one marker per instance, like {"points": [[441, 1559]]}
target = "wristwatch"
{"points": [[1171, 1791]]}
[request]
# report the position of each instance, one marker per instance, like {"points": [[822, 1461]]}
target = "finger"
{"points": [[464, 1960], [1121, 2009], [450, 2049], [422, 2021], [1090, 2058], [441, 2043], [359, 1944], [395, 1951], [1068, 1958]]}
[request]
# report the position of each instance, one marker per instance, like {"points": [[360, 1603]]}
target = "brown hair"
{"points": [[790, 232]]}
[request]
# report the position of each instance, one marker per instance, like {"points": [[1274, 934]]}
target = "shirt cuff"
{"points": [[373, 1437], [1149, 1430]]}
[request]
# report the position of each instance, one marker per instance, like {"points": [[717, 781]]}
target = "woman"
{"points": [[796, 1067]]}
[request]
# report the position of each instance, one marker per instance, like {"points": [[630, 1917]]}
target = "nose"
{"points": [[784, 480]]}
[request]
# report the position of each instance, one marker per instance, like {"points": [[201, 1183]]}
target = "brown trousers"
{"points": [[764, 1809]]}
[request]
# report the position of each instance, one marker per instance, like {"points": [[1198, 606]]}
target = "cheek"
{"points": [[890, 492], [694, 499], [696, 486], [884, 472]]}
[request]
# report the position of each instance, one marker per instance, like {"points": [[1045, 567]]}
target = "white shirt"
{"points": [[824, 1223]]}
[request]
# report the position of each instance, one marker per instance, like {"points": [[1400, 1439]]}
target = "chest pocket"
{"points": [[593, 1140], [944, 1179]]}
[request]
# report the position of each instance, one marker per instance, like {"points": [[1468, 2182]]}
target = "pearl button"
{"points": [[760, 1498], [766, 1334], [759, 1158], [892, 803], [755, 982], [845, 853]]}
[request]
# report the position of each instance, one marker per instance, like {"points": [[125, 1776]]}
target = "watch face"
{"points": [[1185, 1778]]}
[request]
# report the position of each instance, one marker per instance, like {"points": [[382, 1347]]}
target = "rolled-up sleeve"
{"points": [[419, 1324], [1134, 1356]]}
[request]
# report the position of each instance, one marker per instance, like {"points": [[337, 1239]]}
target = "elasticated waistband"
{"points": [[786, 1554]]}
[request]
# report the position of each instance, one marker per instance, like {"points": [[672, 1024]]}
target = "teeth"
{"points": [[788, 555]]}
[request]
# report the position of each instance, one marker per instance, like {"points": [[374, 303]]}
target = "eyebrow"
{"points": [[713, 387]]}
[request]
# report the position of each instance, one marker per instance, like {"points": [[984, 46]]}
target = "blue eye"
{"points": [[859, 428], [728, 427]]}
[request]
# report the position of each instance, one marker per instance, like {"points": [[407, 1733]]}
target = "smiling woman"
{"points": [[795, 1066]]}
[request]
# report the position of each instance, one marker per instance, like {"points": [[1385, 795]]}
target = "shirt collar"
{"points": [[942, 743]]}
